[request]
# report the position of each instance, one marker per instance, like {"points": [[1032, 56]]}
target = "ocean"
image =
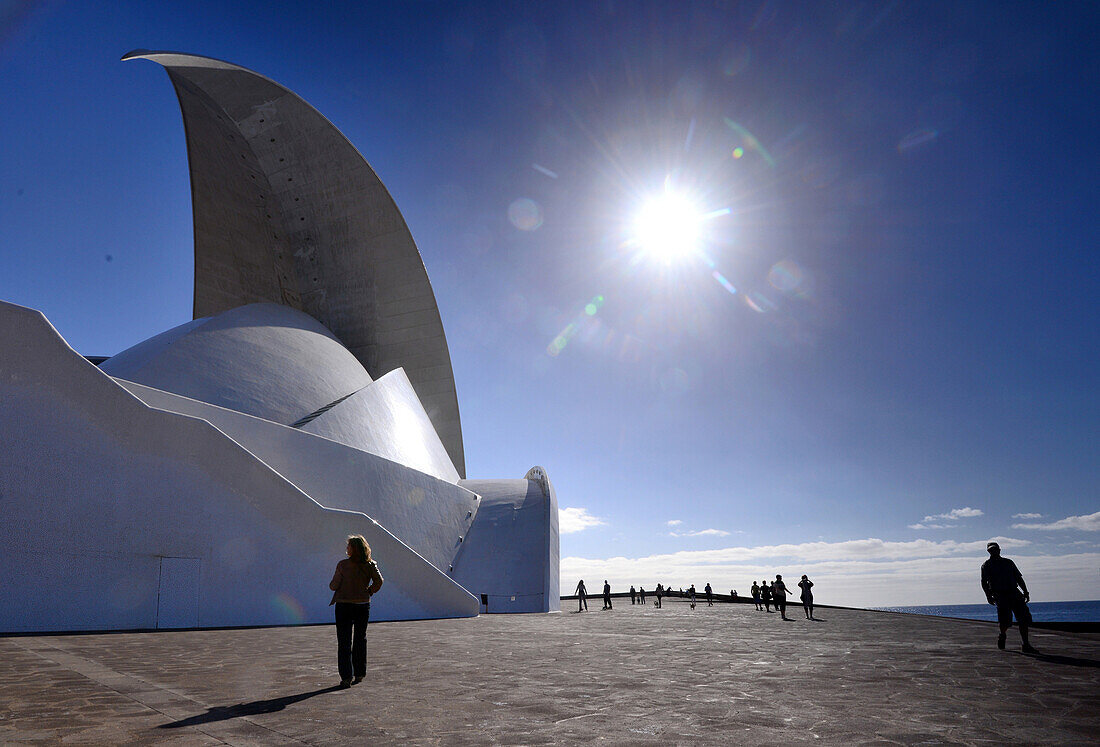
{"points": [[1088, 611]]}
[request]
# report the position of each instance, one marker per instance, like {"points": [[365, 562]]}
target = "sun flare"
{"points": [[667, 227]]}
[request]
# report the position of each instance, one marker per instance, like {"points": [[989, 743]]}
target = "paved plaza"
{"points": [[634, 675]]}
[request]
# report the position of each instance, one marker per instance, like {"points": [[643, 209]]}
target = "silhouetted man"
{"points": [[710, 592], [582, 596], [641, 595], [633, 595], [606, 595], [1002, 583]]}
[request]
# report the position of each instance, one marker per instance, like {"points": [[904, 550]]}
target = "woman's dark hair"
{"points": [[359, 547]]}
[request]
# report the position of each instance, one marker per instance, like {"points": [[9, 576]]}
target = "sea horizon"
{"points": [[1073, 611]]}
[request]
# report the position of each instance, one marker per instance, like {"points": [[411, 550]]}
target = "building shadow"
{"points": [[256, 707], [1071, 661]]}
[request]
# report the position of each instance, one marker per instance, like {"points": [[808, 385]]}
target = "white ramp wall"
{"points": [[97, 490], [427, 514]]}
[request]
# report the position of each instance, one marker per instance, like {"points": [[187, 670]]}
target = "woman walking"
{"points": [[779, 595], [356, 580], [807, 596]]}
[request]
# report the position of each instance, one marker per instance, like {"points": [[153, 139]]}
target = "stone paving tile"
{"points": [[634, 675]]}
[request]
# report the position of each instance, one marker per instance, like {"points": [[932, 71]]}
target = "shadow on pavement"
{"points": [[1070, 660], [223, 713]]}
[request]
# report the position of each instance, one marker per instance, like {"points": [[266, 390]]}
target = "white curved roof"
{"points": [[287, 211], [265, 359], [386, 418]]}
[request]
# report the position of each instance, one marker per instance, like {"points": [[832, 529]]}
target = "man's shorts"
{"points": [[1011, 603]]}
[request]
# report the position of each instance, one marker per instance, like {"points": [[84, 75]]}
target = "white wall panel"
{"points": [[427, 514], [96, 487]]}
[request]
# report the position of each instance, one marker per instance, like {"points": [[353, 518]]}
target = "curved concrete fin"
{"points": [[286, 210]]}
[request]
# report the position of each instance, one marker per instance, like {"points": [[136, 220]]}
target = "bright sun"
{"points": [[667, 227]]}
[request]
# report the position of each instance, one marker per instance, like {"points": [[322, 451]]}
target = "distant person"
{"points": [[356, 580], [779, 595], [582, 596], [606, 595], [691, 595], [709, 592], [641, 596], [1002, 583], [660, 592], [733, 595], [807, 596], [756, 595], [766, 596], [633, 595]]}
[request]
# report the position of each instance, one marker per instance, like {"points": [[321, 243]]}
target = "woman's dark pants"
{"points": [[351, 638]]}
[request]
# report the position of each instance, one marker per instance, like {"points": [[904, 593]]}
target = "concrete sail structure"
{"points": [[207, 476], [287, 211]]}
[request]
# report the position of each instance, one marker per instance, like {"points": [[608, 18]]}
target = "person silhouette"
{"points": [[355, 581], [641, 596], [633, 595], [606, 595], [709, 592], [1002, 583], [807, 597], [756, 595], [691, 595], [660, 592], [779, 595], [582, 596], [766, 596]]}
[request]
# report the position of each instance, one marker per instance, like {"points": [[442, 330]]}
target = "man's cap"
{"points": [[991, 545]]}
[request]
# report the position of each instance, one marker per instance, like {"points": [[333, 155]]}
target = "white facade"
{"points": [[208, 476]]}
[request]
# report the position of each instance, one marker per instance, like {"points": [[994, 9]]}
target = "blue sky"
{"points": [[882, 353]]}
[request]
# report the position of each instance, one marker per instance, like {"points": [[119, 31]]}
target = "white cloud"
{"points": [[1086, 523], [572, 520], [867, 572], [674, 523], [955, 513], [931, 526], [1027, 516], [701, 533]]}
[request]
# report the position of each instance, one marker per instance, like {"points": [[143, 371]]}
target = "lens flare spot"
{"points": [[785, 276], [917, 138], [738, 152], [723, 281], [525, 214], [289, 608], [750, 140], [759, 303], [583, 323], [593, 306], [736, 59]]}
